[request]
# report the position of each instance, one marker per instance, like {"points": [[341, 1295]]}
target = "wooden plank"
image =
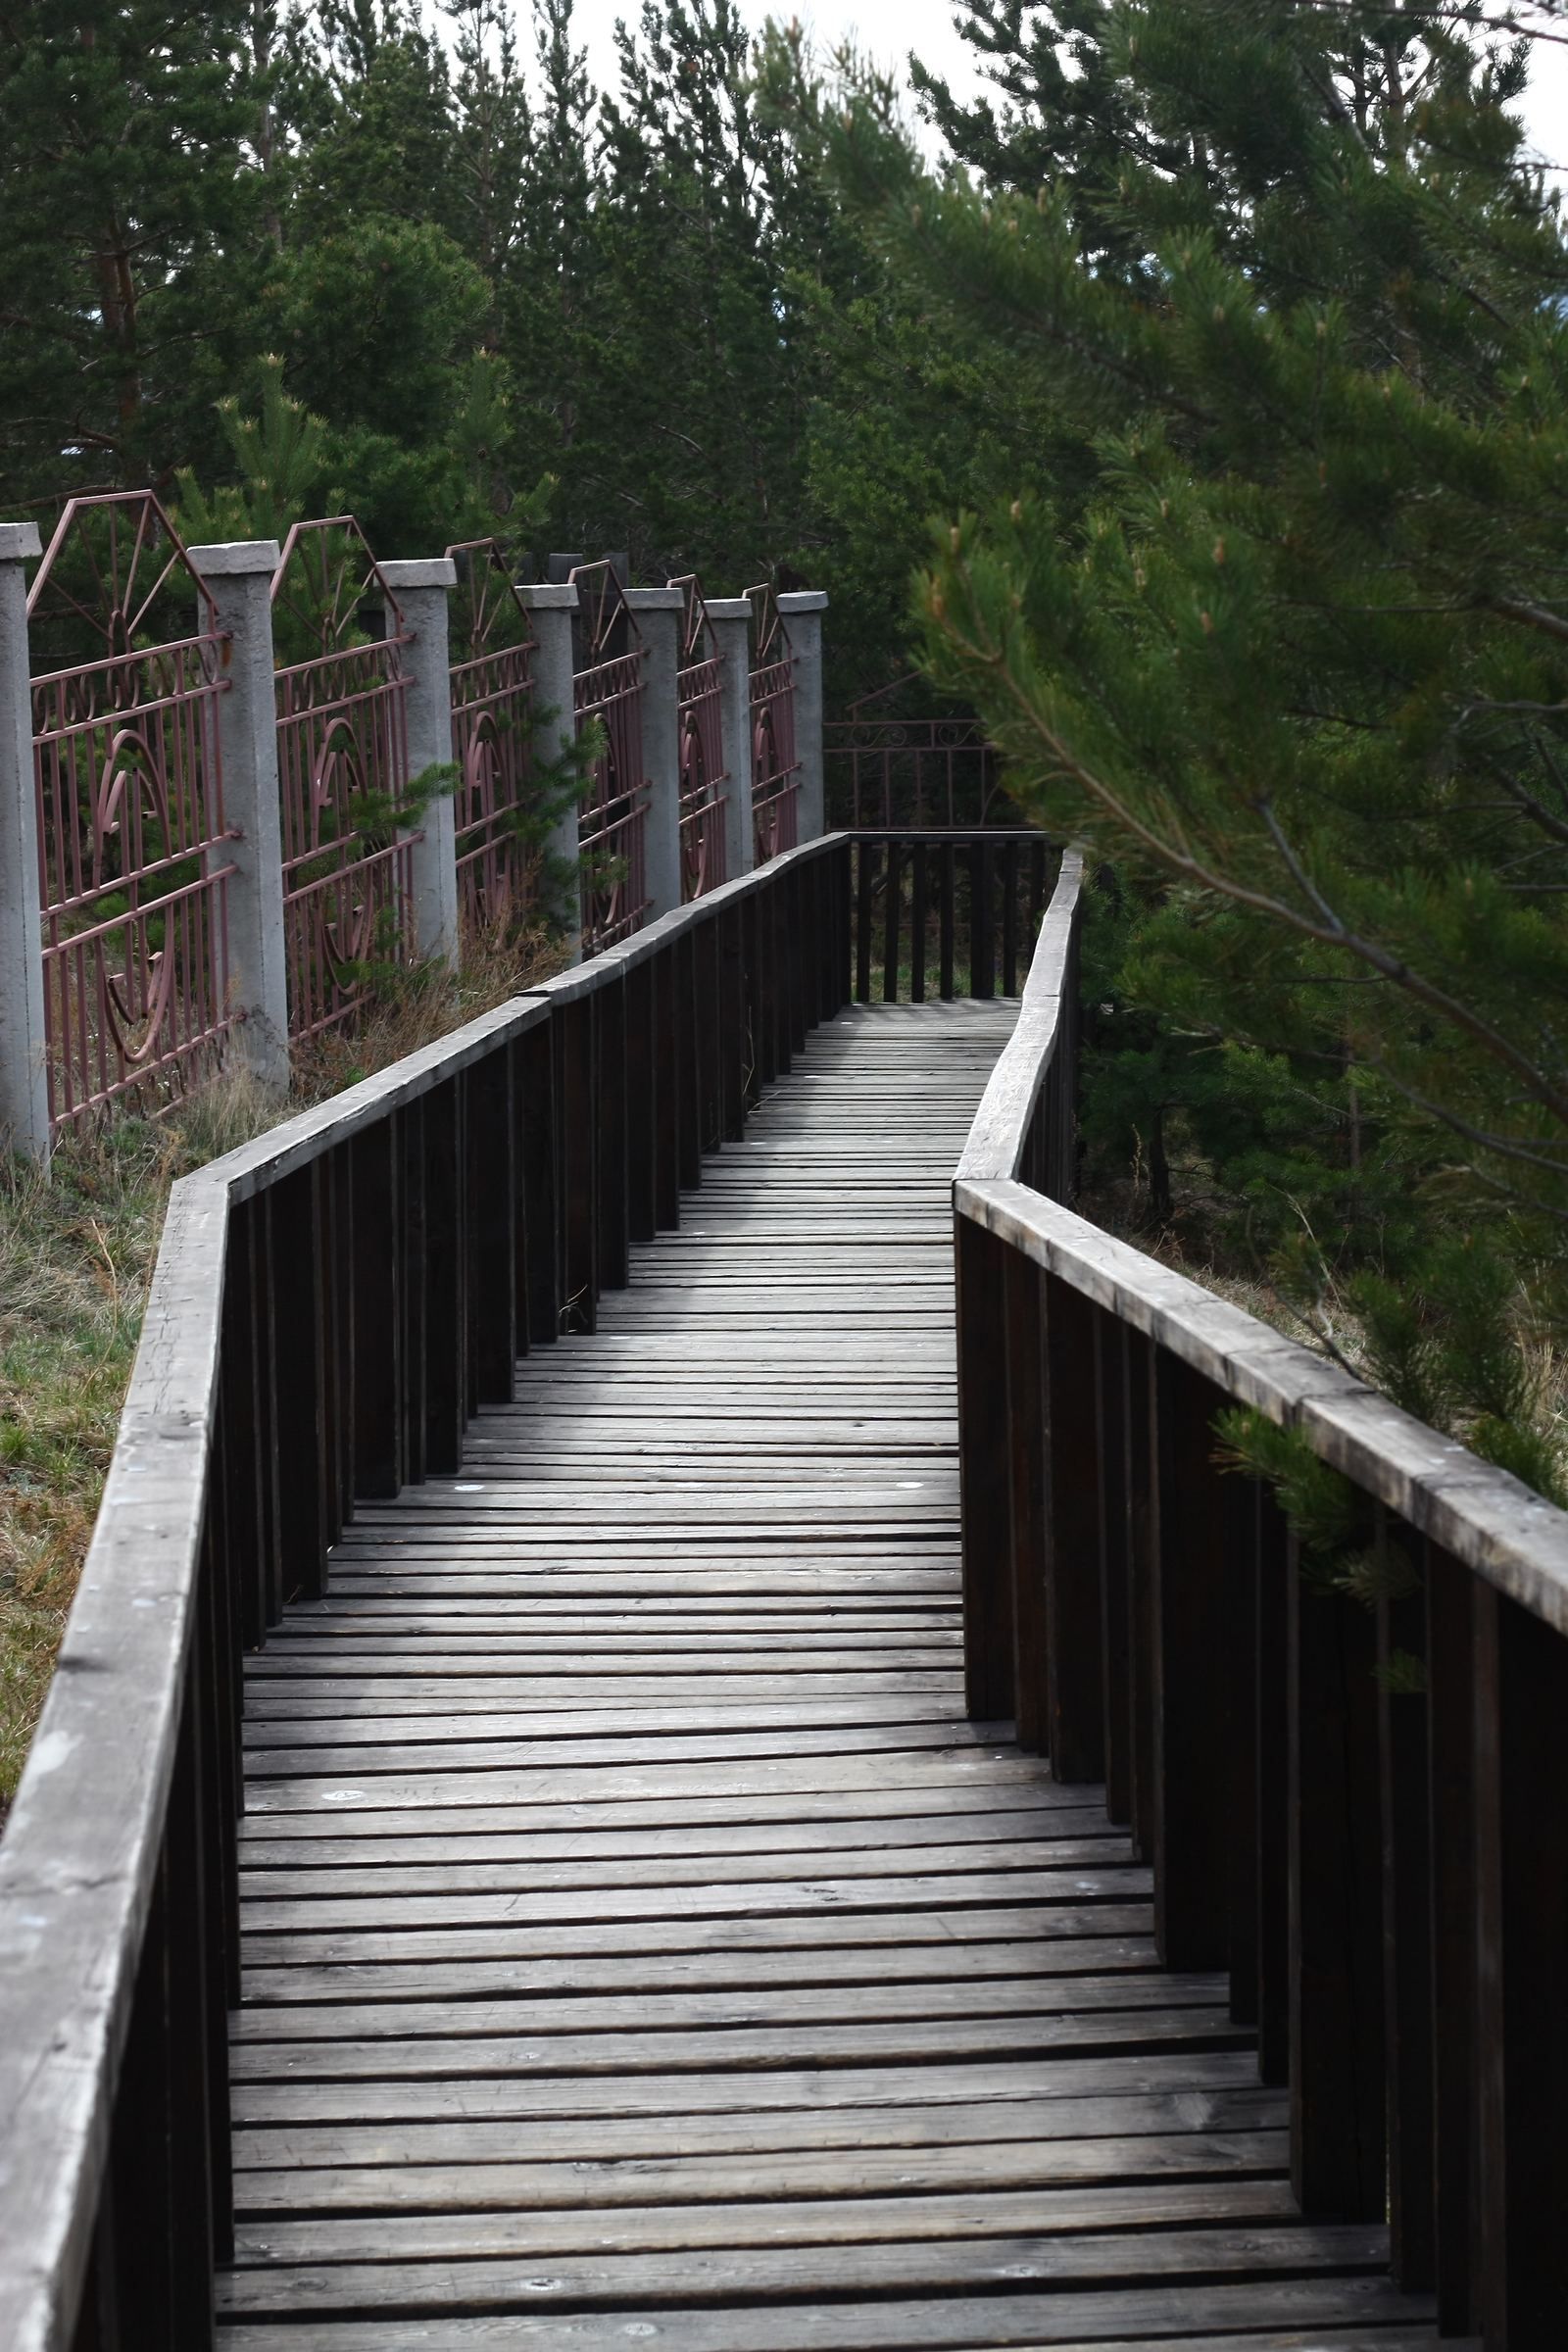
{"points": [[1181, 2066], [1341, 2318], [725, 2276], [604, 2143], [654, 2178], [767, 2221]]}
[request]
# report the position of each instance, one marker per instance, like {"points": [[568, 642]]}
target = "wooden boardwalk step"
{"points": [[639, 1945]]}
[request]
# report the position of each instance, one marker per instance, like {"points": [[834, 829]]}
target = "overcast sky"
{"points": [[890, 29]]}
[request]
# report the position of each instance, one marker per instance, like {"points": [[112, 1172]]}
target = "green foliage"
{"points": [[1299, 663], [1345, 1543]]}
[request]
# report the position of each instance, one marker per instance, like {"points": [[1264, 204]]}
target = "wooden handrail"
{"points": [[329, 1307], [1362, 1812]]}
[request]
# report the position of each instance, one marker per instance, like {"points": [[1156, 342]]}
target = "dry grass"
{"points": [[77, 1252]]}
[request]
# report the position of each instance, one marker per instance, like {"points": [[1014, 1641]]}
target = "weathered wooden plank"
{"points": [[767, 2220], [1341, 2317], [1031, 2128], [653, 2179], [722, 2274]]}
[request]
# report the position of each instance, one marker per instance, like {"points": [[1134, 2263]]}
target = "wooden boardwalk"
{"points": [[639, 1943]]}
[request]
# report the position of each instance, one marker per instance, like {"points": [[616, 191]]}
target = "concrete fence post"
{"points": [[421, 587], [801, 614], [238, 572], [657, 614], [23, 1066], [550, 605], [730, 620]]}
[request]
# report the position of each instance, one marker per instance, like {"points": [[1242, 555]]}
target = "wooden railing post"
{"points": [[1338, 2049], [297, 1309], [1028, 1395], [1451, 1592], [1271, 1732], [1406, 1940], [1521, 1797], [491, 1217], [537, 1112], [377, 1314], [1115, 1582], [610, 1140], [1191, 1751], [984, 1476], [1075, 1657]]}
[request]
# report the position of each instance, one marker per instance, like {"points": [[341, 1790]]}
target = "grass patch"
{"points": [[76, 1254]]}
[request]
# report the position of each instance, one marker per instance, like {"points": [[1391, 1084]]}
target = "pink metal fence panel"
{"points": [[492, 715], [703, 775], [609, 687], [776, 770], [133, 849], [343, 769]]}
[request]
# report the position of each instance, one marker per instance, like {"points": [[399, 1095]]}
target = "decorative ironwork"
{"points": [[608, 686], [492, 728], [776, 770], [699, 691], [882, 768], [132, 855], [343, 769]]}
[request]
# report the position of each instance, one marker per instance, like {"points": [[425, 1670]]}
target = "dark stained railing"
{"points": [[491, 710], [945, 913], [133, 852], [330, 1306], [1361, 1812]]}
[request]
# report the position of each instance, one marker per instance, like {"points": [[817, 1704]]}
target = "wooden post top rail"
{"points": [[996, 1142], [1485, 1517]]}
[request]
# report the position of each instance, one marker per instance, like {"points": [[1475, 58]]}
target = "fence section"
{"points": [[699, 687], [343, 772], [132, 847], [775, 769], [609, 688], [884, 767], [1355, 1801], [945, 913], [492, 719]]}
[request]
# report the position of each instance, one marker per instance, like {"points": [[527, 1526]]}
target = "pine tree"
{"points": [[1306, 653], [129, 200]]}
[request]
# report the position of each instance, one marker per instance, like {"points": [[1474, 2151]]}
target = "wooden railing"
{"points": [[1380, 1860], [330, 1306]]}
